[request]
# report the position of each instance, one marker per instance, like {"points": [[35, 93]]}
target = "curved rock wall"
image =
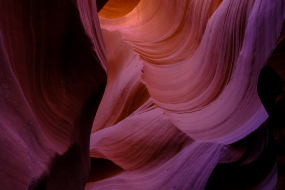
{"points": [[144, 95], [51, 86], [199, 62]]}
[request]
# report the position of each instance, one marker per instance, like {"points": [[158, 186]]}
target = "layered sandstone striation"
{"points": [[52, 81], [144, 95], [200, 63]]}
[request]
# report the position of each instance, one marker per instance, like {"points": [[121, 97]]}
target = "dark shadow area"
{"points": [[272, 95], [235, 177], [102, 169], [269, 87], [100, 4]]}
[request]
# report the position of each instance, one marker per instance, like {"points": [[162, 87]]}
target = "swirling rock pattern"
{"points": [[197, 64], [144, 95]]}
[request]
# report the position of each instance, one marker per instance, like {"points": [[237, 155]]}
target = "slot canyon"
{"points": [[142, 94]]}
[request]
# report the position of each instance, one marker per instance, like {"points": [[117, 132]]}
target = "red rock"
{"points": [[181, 108], [56, 84]]}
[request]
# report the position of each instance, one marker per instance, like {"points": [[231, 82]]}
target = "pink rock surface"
{"points": [[200, 62], [143, 95]]}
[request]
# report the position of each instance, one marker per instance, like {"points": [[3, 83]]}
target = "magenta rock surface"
{"points": [[142, 95], [51, 85]]}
